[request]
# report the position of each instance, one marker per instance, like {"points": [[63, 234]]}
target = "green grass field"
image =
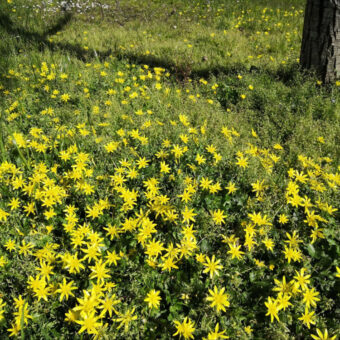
{"points": [[166, 171]]}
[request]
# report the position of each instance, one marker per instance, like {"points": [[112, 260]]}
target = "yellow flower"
{"points": [[3, 215], [218, 216], [278, 147], [283, 300], [273, 308], [41, 291], [321, 140], [188, 215], [216, 334], [125, 319], [65, 289], [185, 329], [307, 318], [153, 299], [22, 313], [293, 240], [89, 323], [322, 336], [165, 168], [65, 97], [14, 203], [29, 209], [231, 187], [2, 305], [107, 305], [242, 162], [71, 316], [25, 248], [248, 330], [111, 147], [235, 251], [258, 187], [154, 248], [200, 159], [200, 258], [338, 272], [301, 279], [112, 257], [73, 264], [257, 219], [218, 299], [142, 163], [215, 188], [310, 297], [212, 266], [283, 219], [168, 264], [45, 270], [269, 243], [10, 245]]}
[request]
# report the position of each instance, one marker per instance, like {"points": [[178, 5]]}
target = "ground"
{"points": [[167, 170]]}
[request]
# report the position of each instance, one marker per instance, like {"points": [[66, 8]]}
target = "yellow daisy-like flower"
{"points": [[153, 299], [273, 308], [216, 334], [322, 336], [235, 251], [218, 299], [307, 318], [338, 272], [218, 216], [185, 329], [212, 266], [89, 323]]}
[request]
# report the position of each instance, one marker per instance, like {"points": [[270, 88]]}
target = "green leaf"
{"points": [[205, 246], [311, 250], [252, 277]]}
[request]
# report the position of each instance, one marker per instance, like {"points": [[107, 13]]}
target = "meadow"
{"points": [[167, 171]]}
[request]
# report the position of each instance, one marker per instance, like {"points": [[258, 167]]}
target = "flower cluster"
{"points": [[131, 206]]}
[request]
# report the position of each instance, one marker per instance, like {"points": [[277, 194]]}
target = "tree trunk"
{"points": [[320, 48]]}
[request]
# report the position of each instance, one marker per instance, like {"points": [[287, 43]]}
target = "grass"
{"points": [[86, 93]]}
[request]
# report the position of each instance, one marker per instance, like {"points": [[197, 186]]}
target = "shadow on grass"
{"points": [[8, 27], [7, 24], [182, 71]]}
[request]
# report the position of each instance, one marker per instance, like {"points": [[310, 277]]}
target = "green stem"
{"points": [[2, 146], [22, 322], [23, 158]]}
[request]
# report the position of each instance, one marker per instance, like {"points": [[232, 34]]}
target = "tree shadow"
{"points": [[181, 71], [13, 31], [8, 25]]}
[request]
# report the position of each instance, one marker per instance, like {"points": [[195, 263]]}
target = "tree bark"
{"points": [[320, 48]]}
